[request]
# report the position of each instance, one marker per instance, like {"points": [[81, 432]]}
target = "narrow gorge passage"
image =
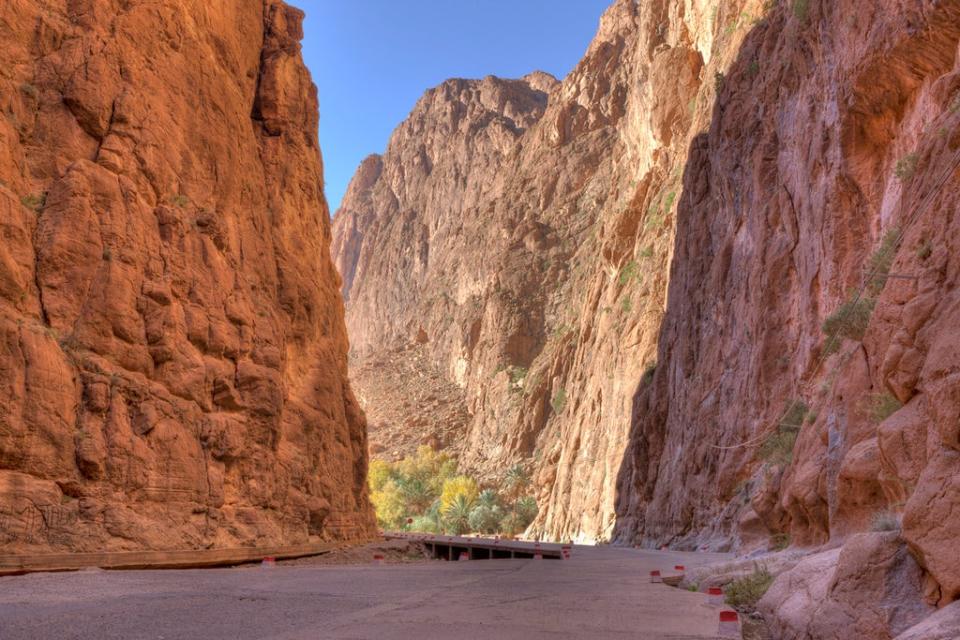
{"points": [[671, 283]]}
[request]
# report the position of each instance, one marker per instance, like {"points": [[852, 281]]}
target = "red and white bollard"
{"points": [[464, 556], [715, 596], [565, 551], [269, 563], [655, 577], [378, 558], [729, 625]]}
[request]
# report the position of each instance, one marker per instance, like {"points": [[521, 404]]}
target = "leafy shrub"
{"points": [[746, 592], [648, 373], [906, 167], [630, 271], [778, 447], [779, 541], [851, 319], [668, 201], [179, 200], [30, 90], [801, 9], [796, 412], [925, 250], [878, 266], [881, 406], [718, 79], [885, 521], [559, 401], [647, 252], [389, 505], [34, 202]]}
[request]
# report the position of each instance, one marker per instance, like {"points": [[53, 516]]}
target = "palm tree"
{"points": [[516, 481], [487, 514], [457, 514], [417, 494]]}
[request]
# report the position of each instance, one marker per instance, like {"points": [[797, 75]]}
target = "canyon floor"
{"points": [[602, 592]]}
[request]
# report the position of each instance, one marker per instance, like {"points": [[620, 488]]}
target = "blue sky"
{"points": [[372, 59]]}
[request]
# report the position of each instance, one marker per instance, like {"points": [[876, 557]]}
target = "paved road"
{"points": [[599, 593]]}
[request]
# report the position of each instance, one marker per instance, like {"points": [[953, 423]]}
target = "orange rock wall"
{"points": [[172, 347]]}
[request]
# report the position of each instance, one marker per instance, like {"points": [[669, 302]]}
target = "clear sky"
{"points": [[372, 59]]}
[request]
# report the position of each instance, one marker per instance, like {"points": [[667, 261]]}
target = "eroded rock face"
{"points": [[806, 169], [871, 588], [634, 300], [172, 344]]}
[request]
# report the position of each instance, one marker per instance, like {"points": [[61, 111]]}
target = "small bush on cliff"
{"points": [[878, 266], [906, 167], [793, 417], [648, 373], [885, 521], [30, 90], [34, 202], [881, 406], [778, 447], [630, 271], [779, 541], [745, 593], [851, 319], [801, 9], [559, 401]]}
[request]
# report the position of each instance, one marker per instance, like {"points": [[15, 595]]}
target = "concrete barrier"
{"points": [[187, 559], [715, 596], [729, 625]]}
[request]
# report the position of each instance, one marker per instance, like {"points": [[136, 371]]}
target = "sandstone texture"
{"points": [[173, 354], [628, 273], [871, 588]]}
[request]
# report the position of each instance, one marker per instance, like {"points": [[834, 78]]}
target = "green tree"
{"points": [[487, 514], [456, 513], [417, 493], [456, 487], [390, 506]]}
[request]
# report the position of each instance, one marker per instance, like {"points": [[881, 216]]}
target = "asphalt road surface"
{"points": [[600, 592]]}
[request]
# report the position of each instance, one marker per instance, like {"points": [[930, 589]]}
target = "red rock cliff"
{"points": [[639, 300], [172, 343]]}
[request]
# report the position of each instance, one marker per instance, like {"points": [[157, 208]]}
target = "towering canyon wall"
{"points": [[631, 291], [172, 344], [831, 160]]}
